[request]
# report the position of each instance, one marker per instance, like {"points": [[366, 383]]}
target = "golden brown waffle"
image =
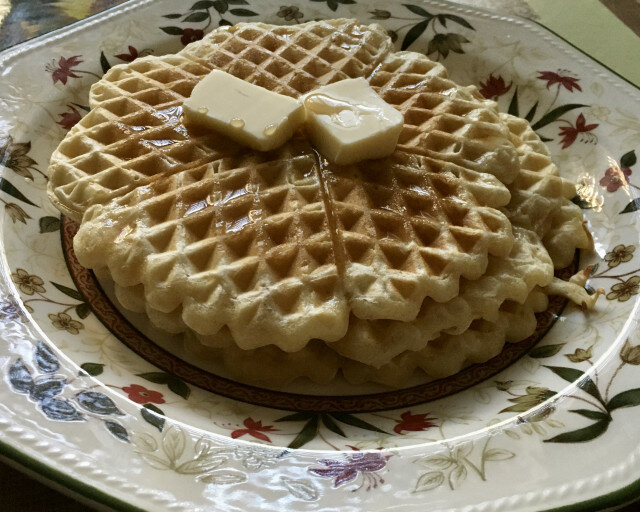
{"points": [[449, 354], [279, 262], [134, 132], [407, 227], [249, 248], [439, 358], [541, 199], [376, 343], [444, 120]]}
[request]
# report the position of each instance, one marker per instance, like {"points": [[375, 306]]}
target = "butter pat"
{"points": [[246, 113], [348, 122]]}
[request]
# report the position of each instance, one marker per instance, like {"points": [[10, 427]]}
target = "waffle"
{"points": [[541, 199], [134, 132], [449, 354], [440, 357], [224, 232], [376, 343], [444, 120]]}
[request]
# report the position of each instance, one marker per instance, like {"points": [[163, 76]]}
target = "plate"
{"points": [[117, 422]]}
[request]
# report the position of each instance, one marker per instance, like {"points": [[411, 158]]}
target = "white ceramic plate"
{"points": [[555, 428]]}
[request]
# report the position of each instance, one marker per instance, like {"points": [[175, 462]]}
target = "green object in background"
{"points": [[590, 26]]}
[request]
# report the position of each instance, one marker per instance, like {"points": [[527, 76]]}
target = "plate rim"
{"points": [[51, 473]]}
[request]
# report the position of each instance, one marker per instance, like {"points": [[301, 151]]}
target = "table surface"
{"points": [[21, 20]]}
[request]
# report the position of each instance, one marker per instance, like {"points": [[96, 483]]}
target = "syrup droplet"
{"points": [[270, 130], [203, 110], [237, 123]]}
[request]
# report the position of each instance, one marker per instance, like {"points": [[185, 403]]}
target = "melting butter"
{"points": [[244, 112], [348, 122]]}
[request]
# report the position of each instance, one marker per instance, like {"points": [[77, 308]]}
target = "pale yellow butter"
{"points": [[244, 112], [348, 122]]}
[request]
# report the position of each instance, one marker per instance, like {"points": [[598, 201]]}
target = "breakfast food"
{"points": [[420, 260]]}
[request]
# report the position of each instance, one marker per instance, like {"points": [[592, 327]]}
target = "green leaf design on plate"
{"points": [[350, 419], [104, 63], [429, 481], [83, 310], [93, 369], [513, 104], [308, 433], [203, 4], [581, 435], [221, 6], [415, 9], [297, 416], [174, 383], [458, 20], [328, 422], [242, 12], [554, 114], [532, 112], [629, 398], [70, 292], [445, 43], [172, 31], [153, 415], [179, 387], [628, 159], [49, 224], [546, 350], [572, 375], [196, 17], [117, 430], [632, 206], [414, 33], [592, 415], [7, 187], [172, 16]]}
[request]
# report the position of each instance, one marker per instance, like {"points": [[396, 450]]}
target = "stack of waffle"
{"points": [[283, 265]]}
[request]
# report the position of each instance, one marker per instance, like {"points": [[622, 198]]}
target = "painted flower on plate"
{"points": [[622, 292], [570, 132], [413, 422], [16, 214], [64, 70], [630, 354], [580, 355], [129, 57], [14, 156], [189, 35], [615, 177], [290, 13], [570, 83], [69, 118], [380, 14], [619, 254], [345, 471], [64, 322], [494, 86], [254, 429], [141, 395], [28, 283]]}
